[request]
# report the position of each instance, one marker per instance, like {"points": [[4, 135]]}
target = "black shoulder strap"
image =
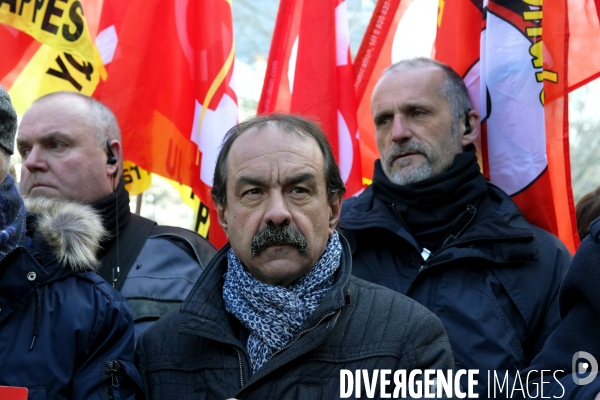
{"points": [[131, 241]]}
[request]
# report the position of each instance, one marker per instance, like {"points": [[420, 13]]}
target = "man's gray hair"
{"points": [[453, 89], [101, 119]]}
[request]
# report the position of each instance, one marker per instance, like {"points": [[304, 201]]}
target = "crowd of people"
{"points": [[431, 268]]}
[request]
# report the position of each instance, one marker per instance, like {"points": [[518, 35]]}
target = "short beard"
{"points": [[278, 235], [424, 171], [415, 174]]}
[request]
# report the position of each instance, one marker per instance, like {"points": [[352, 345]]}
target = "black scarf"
{"points": [[108, 207], [429, 208]]}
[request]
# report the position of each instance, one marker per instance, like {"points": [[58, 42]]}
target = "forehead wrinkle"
{"points": [[281, 173], [289, 157]]}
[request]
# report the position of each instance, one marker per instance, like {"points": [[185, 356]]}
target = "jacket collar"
{"points": [[70, 231], [203, 312], [206, 298], [62, 238], [497, 221]]}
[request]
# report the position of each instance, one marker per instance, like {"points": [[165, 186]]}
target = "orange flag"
{"points": [[309, 72], [170, 85]]}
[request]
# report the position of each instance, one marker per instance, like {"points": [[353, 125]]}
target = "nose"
{"points": [[35, 160], [401, 131], [277, 212]]}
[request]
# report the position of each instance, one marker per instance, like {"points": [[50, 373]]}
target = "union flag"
{"points": [[309, 72], [170, 84], [519, 59]]}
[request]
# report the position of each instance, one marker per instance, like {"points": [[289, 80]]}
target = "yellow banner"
{"points": [[51, 70], [201, 211], [58, 23], [137, 179]]}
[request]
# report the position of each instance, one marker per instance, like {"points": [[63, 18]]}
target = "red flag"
{"points": [[517, 78], [170, 86], [17, 48], [309, 72], [398, 29], [584, 42]]}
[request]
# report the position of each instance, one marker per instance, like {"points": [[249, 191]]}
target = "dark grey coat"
{"points": [[196, 353]]}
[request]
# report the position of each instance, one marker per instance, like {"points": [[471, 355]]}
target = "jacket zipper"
{"points": [[113, 389], [9, 253], [469, 213], [283, 348], [290, 344], [241, 371]]}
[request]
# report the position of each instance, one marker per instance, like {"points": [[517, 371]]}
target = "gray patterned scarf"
{"points": [[274, 314]]}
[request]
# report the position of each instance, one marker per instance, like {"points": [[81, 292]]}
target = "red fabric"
{"points": [[547, 201], [584, 42], [170, 71], [458, 35], [321, 88], [373, 56], [17, 49], [13, 393]]}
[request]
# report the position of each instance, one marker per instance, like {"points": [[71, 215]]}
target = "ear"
{"points": [[222, 216], [474, 122], [335, 210], [117, 150]]}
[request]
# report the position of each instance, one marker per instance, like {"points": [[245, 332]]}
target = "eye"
{"points": [[417, 113], [56, 145], [383, 120], [24, 152], [251, 192], [299, 192]]}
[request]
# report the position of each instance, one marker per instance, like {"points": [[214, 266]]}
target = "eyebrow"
{"points": [[305, 177], [249, 181], [260, 182], [402, 108], [45, 138]]}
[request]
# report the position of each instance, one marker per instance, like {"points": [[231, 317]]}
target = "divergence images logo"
{"points": [[583, 367]]}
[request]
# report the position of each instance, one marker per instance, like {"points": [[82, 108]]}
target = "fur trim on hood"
{"points": [[72, 231]]}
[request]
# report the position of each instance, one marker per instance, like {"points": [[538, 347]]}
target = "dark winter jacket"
{"points": [[64, 332], [196, 353], [494, 283], [579, 330], [158, 265]]}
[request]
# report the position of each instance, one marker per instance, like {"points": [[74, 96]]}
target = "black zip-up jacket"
{"points": [[493, 282], [196, 352]]}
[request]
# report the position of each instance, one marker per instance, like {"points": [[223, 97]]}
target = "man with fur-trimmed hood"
{"points": [[64, 332]]}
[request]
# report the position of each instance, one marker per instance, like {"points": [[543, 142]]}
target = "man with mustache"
{"points": [[431, 227], [276, 315]]}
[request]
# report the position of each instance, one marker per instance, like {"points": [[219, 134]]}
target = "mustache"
{"points": [[278, 235], [391, 155]]}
